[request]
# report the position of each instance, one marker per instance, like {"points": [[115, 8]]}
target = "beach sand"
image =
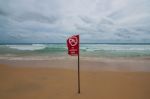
{"points": [[103, 79]]}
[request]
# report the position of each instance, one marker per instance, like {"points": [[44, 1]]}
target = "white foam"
{"points": [[27, 47], [116, 48]]}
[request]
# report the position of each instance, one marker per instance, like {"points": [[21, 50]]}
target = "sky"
{"points": [[53, 21]]}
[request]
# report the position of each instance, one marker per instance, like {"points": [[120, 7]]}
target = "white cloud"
{"points": [[54, 20]]}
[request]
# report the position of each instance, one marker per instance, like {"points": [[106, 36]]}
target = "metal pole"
{"points": [[78, 73]]}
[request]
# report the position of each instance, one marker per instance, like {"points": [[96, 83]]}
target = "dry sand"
{"points": [[21, 80]]}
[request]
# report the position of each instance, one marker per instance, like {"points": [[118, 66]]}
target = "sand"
{"points": [[36, 80]]}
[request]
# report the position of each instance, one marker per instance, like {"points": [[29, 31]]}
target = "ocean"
{"points": [[46, 51]]}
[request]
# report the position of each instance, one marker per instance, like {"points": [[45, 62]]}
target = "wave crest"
{"points": [[28, 47]]}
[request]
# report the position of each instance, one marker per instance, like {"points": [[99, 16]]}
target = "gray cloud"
{"points": [[55, 20], [3, 13], [32, 16]]}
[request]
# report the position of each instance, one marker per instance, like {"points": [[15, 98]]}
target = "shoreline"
{"points": [[63, 57], [86, 64]]}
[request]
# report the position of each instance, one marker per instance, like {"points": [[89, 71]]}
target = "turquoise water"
{"points": [[95, 50]]}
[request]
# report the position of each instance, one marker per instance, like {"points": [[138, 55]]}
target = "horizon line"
{"points": [[65, 43]]}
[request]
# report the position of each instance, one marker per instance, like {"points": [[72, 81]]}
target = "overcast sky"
{"points": [[52, 21]]}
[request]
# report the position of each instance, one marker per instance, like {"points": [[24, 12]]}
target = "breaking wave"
{"points": [[97, 50], [28, 47]]}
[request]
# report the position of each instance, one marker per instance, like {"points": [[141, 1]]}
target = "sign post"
{"points": [[73, 50], [79, 73]]}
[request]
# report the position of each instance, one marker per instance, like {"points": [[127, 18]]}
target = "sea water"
{"points": [[86, 50]]}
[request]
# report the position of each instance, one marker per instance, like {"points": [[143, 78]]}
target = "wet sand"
{"points": [[48, 80]]}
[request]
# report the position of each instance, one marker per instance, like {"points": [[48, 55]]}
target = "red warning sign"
{"points": [[73, 45]]}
